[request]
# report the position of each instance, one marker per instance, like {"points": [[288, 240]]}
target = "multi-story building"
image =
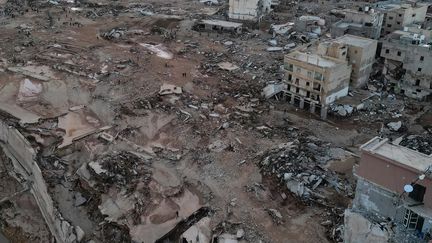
{"points": [[408, 57], [360, 54], [364, 22], [394, 183], [315, 81], [250, 10], [399, 15]]}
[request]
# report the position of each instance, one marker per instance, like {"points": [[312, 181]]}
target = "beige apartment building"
{"points": [[315, 81], [358, 51], [398, 16]]}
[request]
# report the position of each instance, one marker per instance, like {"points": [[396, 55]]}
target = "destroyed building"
{"points": [[315, 81], [398, 15], [249, 10], [366, 22], [359, 51], [393, 182], [408, 57], [309, 24], [218, 26]]}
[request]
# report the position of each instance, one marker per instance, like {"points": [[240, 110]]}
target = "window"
{"points": [[412, 220], [297, 90], [298, 70], [400, 15], [297, 81], [399, 53], [289, 77], [422, 58], [387, 51], [316, 86], [318, 76], [389, 25], [355, 51], [417, 83], [309, 74], [413, 15], [289, 67], [398, 23], [419, 69], [307, 94], [390, 17], [307, 83]]}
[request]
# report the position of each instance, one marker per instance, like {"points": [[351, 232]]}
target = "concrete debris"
{"points": [[227, 66], [274, 49], [273, 89], [281, 29], [240, 233], [421, 143], [394, 126], [160, 50], [167, 89], [276, 215], [358, 229], [114, 34]]}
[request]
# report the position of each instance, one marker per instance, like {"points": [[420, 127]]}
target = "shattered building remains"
{"points": [[408, 57], [366, 22], [359, 51], [219, 26], [315, 81], [309, 24], [400, 14], [394, 181]]}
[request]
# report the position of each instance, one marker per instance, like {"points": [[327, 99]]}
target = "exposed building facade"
{"points": [[408, 58], [315, 81], [364, 22], [360, 54], [394, 183], [397, 16], [250, 10]]}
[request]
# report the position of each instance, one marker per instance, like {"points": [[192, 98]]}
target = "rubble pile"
{"points": [[421, 143], [123, 169], [376, 107], [300, 165], [115, 33]]}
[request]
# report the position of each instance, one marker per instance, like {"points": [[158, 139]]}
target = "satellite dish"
{"points": [[408, 188], [421, 177]]}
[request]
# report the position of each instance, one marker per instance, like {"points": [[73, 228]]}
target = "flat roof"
{"points": [[355, 40], [223, 23], [314, 59], [398, 153]]}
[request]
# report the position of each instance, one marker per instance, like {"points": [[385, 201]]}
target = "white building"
{"points": [[251, 10]]}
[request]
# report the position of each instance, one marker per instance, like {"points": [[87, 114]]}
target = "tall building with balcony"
{"points": [[315, 81]]}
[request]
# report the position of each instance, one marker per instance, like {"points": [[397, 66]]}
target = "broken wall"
{"points": [[358, 229], [336, 82], [23, 156]]}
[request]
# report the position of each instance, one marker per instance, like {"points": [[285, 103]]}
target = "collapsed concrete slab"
{"points": [[23, 157], [359, 229]]}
